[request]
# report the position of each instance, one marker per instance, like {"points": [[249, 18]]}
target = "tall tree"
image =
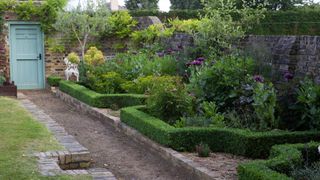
{"points": [[142, 4], [186, 4], [87, 20]]}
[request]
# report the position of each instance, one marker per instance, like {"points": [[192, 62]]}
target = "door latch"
{"points": [[40, 56]]}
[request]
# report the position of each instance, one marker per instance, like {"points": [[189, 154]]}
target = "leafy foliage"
{"points": [[308, 172], [141, 4], [74, 58], [308, 97], [109, 83], [222, 82], [203, 150], [189, 26], [46, 12], [151, 34], [54, 80], [94, 57], [84, 22], [146, 84], [187, 4], [264, 103], [170, 102], [121, 24], [219, 28]]}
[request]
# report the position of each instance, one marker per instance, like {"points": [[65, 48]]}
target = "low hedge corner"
{"points": [[278, 166], [54, 80], [95, 99]]}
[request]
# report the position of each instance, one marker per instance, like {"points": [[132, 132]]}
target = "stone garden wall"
{"points": [[299, 55]]}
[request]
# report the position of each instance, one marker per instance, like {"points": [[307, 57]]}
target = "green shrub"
{"points": [[121, 24], [94, 57], [133, 66], [108, 83], [308, 172], [308, 104], [208, 116], [100, 100], [280, 163], [151, 35], [74, 58], [223, 82], [170, 102], [203, 150], [264, 103], [54, 80], [189, 26], [235, 141], [145, 84], [164, 16]]}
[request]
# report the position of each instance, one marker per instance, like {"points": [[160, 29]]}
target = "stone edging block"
{"points": [[73, 161]]}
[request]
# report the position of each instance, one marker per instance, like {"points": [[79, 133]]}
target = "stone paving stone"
{"points": [[76, 155]]}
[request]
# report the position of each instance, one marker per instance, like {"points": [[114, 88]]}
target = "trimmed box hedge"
{"points": [[235, 141], [278, 166], [95, 99], [54, 80]]}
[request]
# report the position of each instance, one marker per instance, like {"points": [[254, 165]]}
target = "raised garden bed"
{"points": [[235, 141], [8, 89], [95, 99], [282, 159]]}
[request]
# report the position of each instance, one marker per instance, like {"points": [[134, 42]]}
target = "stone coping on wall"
{"points": [[175, 158], [73, 160]]}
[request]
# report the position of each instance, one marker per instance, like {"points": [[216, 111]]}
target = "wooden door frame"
{"points": [[11, 23]]}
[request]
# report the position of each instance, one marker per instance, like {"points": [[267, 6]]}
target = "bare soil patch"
{"points": [[225, 165]]}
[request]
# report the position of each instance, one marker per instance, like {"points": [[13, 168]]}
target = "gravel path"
{"points": [[110, 149]]}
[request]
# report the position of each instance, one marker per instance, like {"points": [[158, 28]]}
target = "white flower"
{"points": [[319, 149]]}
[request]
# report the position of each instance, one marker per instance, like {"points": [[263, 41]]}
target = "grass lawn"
{"points": [[20, 135]]}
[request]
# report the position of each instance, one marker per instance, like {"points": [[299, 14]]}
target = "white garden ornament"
{"points": [[72, 69]]}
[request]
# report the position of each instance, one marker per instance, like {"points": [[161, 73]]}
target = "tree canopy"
{"points": [[142, 4], [186, 4]]}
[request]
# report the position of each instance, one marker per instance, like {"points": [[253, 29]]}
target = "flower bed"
{"points": [[280, 163], [100, 100], [235, 141]]}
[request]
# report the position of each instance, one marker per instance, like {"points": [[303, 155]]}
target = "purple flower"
{"points": [[180, 47], [288, 76], [194, 63], [201, 59], [169, 51], [160, 54], [258, 78]]}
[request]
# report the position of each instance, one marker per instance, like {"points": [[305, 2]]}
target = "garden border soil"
{"points": [[172, 156]]}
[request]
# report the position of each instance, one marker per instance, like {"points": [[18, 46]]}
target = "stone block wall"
{"points": [[299, 55]]}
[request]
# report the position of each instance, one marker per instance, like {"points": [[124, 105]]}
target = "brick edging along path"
{"points": [[174, 157], [76, 157]]}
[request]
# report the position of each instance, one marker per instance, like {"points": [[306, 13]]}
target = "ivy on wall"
{"points": [[46, 12]]}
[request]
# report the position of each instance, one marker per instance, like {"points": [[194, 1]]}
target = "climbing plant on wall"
{"points": [[46, 12]]}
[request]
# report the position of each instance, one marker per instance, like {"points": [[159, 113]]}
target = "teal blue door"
{"points": [[26, 56]]}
